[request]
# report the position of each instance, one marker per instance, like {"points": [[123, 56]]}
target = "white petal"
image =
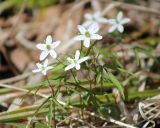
{"points": [[83, 59], [55, 44], [79, 37], [112, 28], [41, 46], [43, 55], [112, 21], [44, 72], [102, 20], [77, 55], [70, 60], [87, 42], [78, 66], [87, 23], [119, 16], [69, 67], [81, 29], [97, 14], [88, 16], [93, 28], [49, 67], [95, 37], [124, 21], [45, 64], [120, 28], [49, 39], [39, 65], [53, 53], [36, 70]]}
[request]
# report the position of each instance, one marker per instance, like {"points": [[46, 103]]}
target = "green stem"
{"points": [[80, 91], [52, 95], [81, 47], [89, 49]]}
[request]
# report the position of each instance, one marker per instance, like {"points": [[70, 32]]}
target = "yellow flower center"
{"points": [[48, 47], [87, 34]]}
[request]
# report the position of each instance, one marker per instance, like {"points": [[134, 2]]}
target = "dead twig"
{"points": [[121, 123], [16, 78]]}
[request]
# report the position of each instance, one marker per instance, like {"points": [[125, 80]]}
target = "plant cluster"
{"points": [[91, 68]]}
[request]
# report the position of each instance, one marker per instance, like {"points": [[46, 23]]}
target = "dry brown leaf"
{"points": [[20, 58], [68, 24]]}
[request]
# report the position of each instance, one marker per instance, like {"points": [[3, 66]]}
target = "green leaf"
{"points": [[50, 113], [136, 56], [110, 110], [114, 80], [126, 71], [41, 125]]}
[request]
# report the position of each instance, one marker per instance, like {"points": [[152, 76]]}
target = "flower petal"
{"points": [[44, 72], [53, 54], [39, 65], [112, 21], [83, 59], [87, 42], [36, 70], [112, 28], [102, 20], [43, 55], [69, 67], [95, 37], [41, 46], [87, 23], [77, 55], [49, 39], [49, 67], [119, 16], [70, 60], [120, 28], [124, 21], [88, 16], [93, 28], [55, 44], [78, 66], [79, 37], [97, 14], [81, 29]]}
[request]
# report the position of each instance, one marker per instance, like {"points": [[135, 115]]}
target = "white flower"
{"points": [[76, 61], [43, 68], [88, 34], [48, 48], [94, 18], [118, 23]]}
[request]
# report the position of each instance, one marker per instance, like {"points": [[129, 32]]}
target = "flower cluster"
{"points": [[88, 32], [47, 48]]}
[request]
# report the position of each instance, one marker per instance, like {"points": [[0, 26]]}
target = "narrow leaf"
{"points": [[114, 80]]}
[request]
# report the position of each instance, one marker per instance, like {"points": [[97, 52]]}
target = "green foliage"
{"points": [[30, 3], [110, 110], [50, 114], [116, 83], [88, 88], [40, 125], [41, 3]]}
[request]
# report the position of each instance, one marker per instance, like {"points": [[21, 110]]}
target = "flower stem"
{"points": [[81, 47], [89, 49], [79, 94], [52, 89]]}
